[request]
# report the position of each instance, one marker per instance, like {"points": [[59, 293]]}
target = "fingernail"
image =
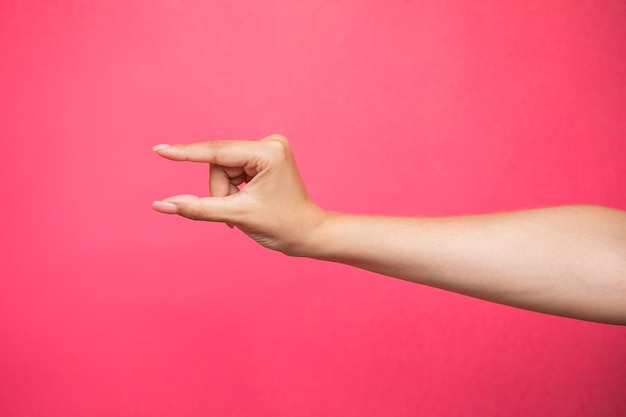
{"points": [[159, 147], [166, 208]]}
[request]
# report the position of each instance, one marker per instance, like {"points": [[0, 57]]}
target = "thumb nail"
{"points": [[166, 208]]}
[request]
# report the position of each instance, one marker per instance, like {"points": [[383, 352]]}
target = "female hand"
{"points": [[254, 186]]}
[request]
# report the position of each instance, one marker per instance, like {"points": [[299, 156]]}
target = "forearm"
{"points": [[568, 261]]}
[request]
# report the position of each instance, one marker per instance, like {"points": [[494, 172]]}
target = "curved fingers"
{"points": [[223, 181]]}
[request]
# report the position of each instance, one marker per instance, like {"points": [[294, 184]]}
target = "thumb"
{"points": [[213, 209]]}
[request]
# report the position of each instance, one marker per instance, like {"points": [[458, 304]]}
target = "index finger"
{"points": [[225, 153]]}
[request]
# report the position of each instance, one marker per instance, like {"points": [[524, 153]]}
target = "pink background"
{"points": [[393, 107]]}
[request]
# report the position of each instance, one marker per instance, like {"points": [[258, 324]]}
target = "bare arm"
{"points": [[568, 261]]}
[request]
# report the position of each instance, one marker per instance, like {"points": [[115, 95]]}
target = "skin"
{"points": [[568, 261]]}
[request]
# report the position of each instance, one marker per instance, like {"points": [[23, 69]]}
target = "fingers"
{"points": [[224, 153], [231, 164], [213, 209], [223, 181]]}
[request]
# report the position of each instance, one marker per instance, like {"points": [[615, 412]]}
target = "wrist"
{"points": [[319, 237], [314, 236]]}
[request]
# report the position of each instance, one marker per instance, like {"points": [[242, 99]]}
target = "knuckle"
{"points": [[216, 149], [194, 212], [278, 148], [277, 137], [216, 145]]}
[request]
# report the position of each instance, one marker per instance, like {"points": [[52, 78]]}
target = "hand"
{"points": [[254, 186]]}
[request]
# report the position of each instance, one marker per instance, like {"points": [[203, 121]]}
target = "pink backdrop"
{"points": [[392, 107]]}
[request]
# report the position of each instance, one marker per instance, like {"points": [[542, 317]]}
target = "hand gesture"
{"points": [[254, 186]]}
